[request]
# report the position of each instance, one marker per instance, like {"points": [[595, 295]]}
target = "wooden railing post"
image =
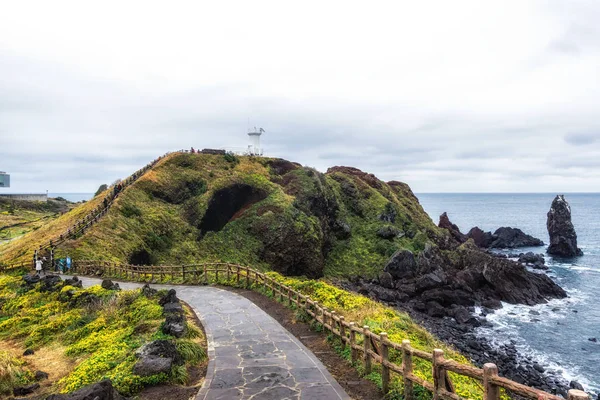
{"points": [[289, 293], [342, 331], [407, 369], [367, 347], [490, 391], [439, 376], [575, 394], [237, 277], [205, 274], [352, 342], [228, 273], [280, 293], [324, 314], [332, 321], [247, 278], [385, 370]]}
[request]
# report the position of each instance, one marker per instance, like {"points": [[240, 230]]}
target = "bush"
{"points": [[231, 158], [101, 189], [131, 210], [190, 351]]}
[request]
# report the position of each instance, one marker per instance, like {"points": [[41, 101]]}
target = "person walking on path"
{"points": [[38, 267]]}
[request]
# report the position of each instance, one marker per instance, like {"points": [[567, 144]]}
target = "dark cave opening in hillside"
{"points": [[228, 202], [140, 257]]}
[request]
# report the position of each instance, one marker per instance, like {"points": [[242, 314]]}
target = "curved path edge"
{"points": [[251, 356]]}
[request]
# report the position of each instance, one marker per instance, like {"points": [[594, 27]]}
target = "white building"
{"points": [[254, 148], [4, 180]]}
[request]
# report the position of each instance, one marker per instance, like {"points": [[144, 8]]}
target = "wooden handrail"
{"points": [[374, 347]]}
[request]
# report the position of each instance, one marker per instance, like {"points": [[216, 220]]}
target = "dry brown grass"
{"points": [[50, 359]]}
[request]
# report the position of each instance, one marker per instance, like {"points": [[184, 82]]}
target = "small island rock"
{"points": [[563, 239]]}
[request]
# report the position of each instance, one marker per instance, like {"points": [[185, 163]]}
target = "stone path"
{"points": [[251, 356]]}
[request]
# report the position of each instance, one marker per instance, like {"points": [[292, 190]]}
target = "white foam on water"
{"points": [[505, 329]]}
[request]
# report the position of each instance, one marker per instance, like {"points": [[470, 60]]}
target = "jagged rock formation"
{"points": [[438, 284], [510, 238], [482, 239], [453, 228], [502, 238], [563, 239]]}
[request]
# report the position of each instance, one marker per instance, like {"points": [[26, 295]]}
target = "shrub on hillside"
{"points": [[131, 210]]}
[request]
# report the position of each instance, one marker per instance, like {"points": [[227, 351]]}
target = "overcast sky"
{"points": [[448, 96]]}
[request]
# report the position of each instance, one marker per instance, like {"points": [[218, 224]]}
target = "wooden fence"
{"points": [[364, 345], [4, 268], [93, 216]]}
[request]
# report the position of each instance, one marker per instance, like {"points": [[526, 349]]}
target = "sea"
{"points": [[557, 333], [74, 197]]}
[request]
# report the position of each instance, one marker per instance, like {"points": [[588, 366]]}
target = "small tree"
{"points": [[101, 189]]}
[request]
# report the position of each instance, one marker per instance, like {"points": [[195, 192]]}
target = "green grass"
{"points": [[98, 329]]}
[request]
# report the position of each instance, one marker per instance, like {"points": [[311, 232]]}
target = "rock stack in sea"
{"points": [[563, 239]]}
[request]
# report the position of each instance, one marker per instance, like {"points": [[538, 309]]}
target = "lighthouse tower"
{"points": [[254, 146]]}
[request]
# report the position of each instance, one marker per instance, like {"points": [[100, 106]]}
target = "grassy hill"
{"points": [[20, 217], [269, 213]]}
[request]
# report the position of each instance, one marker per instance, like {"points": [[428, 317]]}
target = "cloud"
{"points": [[475, 97], [581, 139]]}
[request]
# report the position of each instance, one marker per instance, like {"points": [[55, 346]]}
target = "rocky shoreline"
{"points": [[462, 335], [451, 287], [511, 363]]}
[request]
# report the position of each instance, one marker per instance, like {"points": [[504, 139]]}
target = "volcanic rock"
{"points": [[481, 238], [110, 285], [509, 238], [389, 232], [402, 265], [40, 375], [536, 261], [430, 280], [563, 239], [102, 390], [160, 348], [152, 366], [576, 385], [74, 281], [452, 228], [174, 325], [170, 297], [25, 390], [503, 238], [531, 258], [49, 283], [147, 291], [31, 279], [386, 280]]}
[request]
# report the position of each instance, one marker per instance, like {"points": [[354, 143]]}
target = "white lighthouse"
{"points": [[254, 146]]}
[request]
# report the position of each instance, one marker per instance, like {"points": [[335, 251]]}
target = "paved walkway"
{"points": [[251, 356]]}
